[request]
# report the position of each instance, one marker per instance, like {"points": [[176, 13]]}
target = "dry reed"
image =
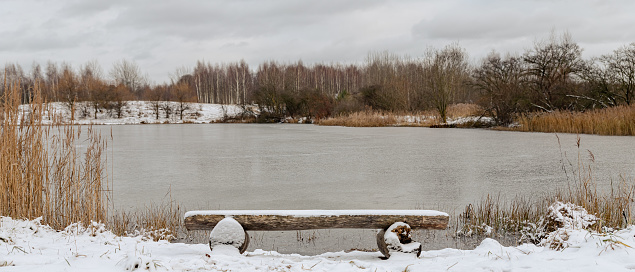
{"points": [[464, 110], [610, 121], [58, 173], [156, 222], [371, 118], [361, 119], [43, 173], [612, 207]]}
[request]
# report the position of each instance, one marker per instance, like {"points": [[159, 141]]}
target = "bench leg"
{"points": [[397, 238], [229, 232]]}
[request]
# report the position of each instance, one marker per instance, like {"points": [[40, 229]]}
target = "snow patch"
{"points": [[228, 250], [37, 247], [136, 112], [570, 216], [470, 119], [554, 230]]}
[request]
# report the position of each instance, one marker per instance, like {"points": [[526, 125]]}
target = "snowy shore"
{"points": [[138, 112], [30, 246], [143, 112]]}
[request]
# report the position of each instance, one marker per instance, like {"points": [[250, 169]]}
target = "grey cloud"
{"points": [[485, 22], [587, 20], [26, 40], [163, 35], [209, 19], [83, 8], [501, 24]]}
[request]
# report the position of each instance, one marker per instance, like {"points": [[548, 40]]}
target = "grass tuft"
{"points": [[493, 216]]}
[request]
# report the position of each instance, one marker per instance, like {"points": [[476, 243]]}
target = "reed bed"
{"points": [[58, 173], [361, 119], [372, 118], [463, 110], [609, 121], [612, 207], [22, 160], [155, 222]]}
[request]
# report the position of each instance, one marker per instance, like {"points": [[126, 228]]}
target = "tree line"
{"points": [[550, 76]]}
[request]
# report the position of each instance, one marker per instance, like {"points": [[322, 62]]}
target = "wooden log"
{"points": [[318, 219]]}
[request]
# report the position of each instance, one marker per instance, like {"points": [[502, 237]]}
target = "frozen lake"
{"points": [[283, 166]]}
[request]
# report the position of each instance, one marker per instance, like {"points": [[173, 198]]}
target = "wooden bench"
{"points": [[393, 224]]}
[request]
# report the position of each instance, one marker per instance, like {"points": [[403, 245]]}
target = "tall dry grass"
{"points": [[609, 121], [22, 160], [366, 118], [464, 110], [58, 173], [156, 222], [371, 118], [52, 172], [612, 207]]}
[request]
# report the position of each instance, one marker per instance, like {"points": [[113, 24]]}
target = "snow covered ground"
{"points": [[30, 246], [140, 112]]}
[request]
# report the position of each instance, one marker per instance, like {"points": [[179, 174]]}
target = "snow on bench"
{"points": [[273, 220], [395, 225]]}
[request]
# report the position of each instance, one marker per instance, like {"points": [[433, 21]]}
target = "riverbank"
{"points": [[609, 121], [145, 112]]}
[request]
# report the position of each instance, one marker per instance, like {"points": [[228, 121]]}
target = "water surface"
{"points": [[283, 166]]}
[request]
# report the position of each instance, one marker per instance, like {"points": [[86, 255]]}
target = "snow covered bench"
{"points": [[229, 227]]}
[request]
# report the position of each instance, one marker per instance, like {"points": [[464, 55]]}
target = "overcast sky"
{"points": [[164, 35]]}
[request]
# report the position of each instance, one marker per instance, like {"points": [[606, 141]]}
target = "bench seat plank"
{"points": [[276, 220]]}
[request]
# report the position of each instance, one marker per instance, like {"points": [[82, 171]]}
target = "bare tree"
{"points": [[155, 95], [619, 74], [178, 74], [68, 92], [551, 65], [37, 78], [118, 98], [183, 94], [167, 109], [127, 73], [386, 88], [100, 97], [502, 84], [52, 81], [445, 72], [92, 88], [14, 75]]}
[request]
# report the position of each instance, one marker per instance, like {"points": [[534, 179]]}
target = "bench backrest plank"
{"points": [[264, 220]]}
